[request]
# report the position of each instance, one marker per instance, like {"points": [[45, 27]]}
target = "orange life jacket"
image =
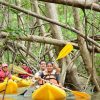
{"points": [[52, 78]]}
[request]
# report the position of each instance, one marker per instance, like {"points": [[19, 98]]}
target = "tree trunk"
{"points": [[84, 51], [19, 16], [58, 35]]}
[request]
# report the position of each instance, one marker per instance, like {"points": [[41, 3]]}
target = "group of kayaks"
{"points": [[44, 92], [10, 86]]}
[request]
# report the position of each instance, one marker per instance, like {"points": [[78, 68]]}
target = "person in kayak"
{"points": [[4, 72], [51, 74], [27, 69], [42, 65]]}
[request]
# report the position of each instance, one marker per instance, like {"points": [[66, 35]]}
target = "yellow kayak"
{"points": [[21, 82], [10, 86], [49, 92]]}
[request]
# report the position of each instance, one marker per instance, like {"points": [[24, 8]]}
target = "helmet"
{"points": [[4, 65]]}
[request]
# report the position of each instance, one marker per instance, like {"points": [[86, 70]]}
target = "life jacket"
{"points": [[52, 78], [3, 75], [28, 70]]}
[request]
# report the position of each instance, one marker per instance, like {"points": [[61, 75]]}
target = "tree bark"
{"points": [[83, 4]]}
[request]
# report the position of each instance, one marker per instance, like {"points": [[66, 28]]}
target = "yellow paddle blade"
{"points": [[65, 51], [81, 95], [18, 69]]}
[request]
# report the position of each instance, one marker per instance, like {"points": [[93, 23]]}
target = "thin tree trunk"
{"points": [[40, 22], [19, 16]]}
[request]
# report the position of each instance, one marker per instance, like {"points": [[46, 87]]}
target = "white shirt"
{"points": [[38, 73]]}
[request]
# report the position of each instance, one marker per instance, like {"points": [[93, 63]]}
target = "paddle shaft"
{"points": [[29, 74]]}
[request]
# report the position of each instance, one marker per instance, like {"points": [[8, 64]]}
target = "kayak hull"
{"points": [[21, 82], [49, 92], [9, 86]]}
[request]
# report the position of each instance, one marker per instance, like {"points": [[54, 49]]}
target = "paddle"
{"points": [[65, 51], [78, 94], [18, 69]]}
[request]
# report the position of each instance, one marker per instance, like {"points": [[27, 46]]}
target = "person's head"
{"points": [[4, 67], [23, 64], [42, 64], [49, 66]]}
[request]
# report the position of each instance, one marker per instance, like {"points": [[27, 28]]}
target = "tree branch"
{"points": [[23, 48], [41, 39], [84, 4], [52, 21]]}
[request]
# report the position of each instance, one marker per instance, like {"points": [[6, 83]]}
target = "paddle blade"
{"points": [[18, 69], [65, 51], [81, 95]]}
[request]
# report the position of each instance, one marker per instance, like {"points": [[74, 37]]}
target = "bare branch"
{"points": [[84, 4], [42, 39]]}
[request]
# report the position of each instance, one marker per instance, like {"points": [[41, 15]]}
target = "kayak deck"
{"points": [[49, 92]]}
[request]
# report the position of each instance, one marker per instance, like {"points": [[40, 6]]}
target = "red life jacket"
{"points": [[3, 75]]}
